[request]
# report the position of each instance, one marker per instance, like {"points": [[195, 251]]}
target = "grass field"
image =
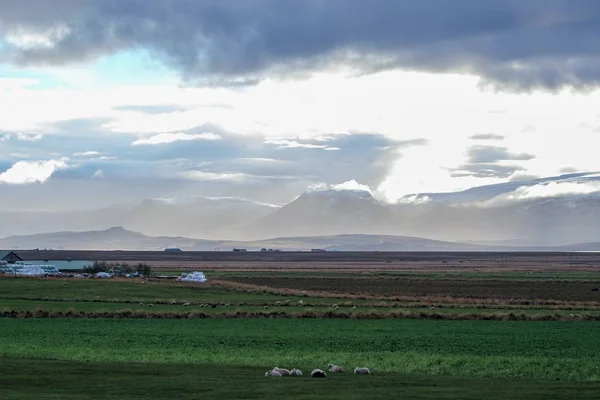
{"points": [[537, 350], [225, 358], [22, 379]]}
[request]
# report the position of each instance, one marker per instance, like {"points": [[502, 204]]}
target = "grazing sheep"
{"points": [[318, 373], [300, 302], [226, 305], [354, 307], [187, 304], [142, 304], [273, 373], [282, 371], [432, 308], [295, 372], [287, 302], [335, 368], [266, 307], [172, 302], [335, 307], [150, 305], [277, 303], [361, 371]]}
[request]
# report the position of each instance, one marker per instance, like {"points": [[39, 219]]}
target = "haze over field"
{"points": [[463, 121]]}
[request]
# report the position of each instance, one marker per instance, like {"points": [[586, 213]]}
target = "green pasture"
{"points": [[34, 379], [568, 351]]}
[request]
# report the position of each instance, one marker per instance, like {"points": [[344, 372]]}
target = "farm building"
{"points": [[173, 250], [9, 256]]}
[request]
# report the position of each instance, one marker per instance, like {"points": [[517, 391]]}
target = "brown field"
{"points": [[353, 262], [454, 288]]}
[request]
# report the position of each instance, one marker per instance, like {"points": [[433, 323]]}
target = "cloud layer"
{"points": [[519, 44]]}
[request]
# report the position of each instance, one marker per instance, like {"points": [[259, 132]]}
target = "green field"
{"points": [[537, 350], [22, 379], [225, 358]]}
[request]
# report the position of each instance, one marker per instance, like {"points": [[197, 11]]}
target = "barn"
{"points": [[9, 256]]}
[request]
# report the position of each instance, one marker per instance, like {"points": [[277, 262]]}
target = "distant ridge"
{"points": [[118, 238]]}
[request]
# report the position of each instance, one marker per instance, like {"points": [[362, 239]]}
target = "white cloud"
{"points": [[414, 199], [27, 40], [164, 138], [348, 185], [213, 176], [98, 174], [24, 172], [87, 153], [351, 185], [553, 189], [24, 137], [292, 144], [29, 137]]}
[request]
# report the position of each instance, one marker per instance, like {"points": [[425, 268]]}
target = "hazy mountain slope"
{"points": [[327, 212]]}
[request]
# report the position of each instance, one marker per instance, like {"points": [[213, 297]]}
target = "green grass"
{"points": [[22, 379], [531, 350], [114, 306], [111, 290]]}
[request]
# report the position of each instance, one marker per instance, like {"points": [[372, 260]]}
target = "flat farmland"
{"points": [[446, 325], [564, 290]]}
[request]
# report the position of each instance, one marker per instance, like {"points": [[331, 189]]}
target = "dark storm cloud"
{"points": [[487, 136], [485, 170], [511, 43], [490, 154]]}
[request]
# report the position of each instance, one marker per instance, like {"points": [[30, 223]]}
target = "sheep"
{"points": [[277, 303], [432, 308], [227, 305], [273, 373], [318, 373], [172, 302], [142, 304], [295, 372], [361, 371], [300, 302], [266, 307], [150, 305], [335, 368], [354, 307], [282, 371], [287, 302], [335, 307], [187, 304]]}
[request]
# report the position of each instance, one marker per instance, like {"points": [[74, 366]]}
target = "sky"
{"points": [[113, 101]]}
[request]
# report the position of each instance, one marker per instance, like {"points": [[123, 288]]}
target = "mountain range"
{"points": [[554, 211]]}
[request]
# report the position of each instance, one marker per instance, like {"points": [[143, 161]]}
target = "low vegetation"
{"points": [[507, 349]]}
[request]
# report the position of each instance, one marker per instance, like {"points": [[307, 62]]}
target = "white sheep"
{"points": [[277, 303], [187, 304], [172, 302], [142, 304], [318, 373], [361, 371], [273, 373], [150, 305], [282, 371], [335, 368], [266, 307], [295, 372], [300, 302]]}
